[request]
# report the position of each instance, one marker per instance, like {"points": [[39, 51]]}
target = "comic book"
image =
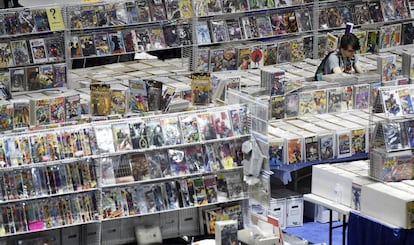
{"points": [[344, 144], [186, 9], [87, 45], [6, 116], [361, 96], [155, 135], [290, 21], [361, 14], [171, 130], [277, 148], [200, 8], [331, 42], [194, 156], [11, 23], [144, 15], [137, 96], [157, 10], [20, 114], [122, 137], [218, 31], [256, 56], [118, 100], [129, 36], [347, 98], [362, 37], [320, 101], [387, 67], [229, 61], [372, 41], [334, 100], [142, 40], [375, 12], [307, 105], [101, 43], [292, 105], [75, 47], [334, 17], [297, 50], [243, 58], [269, 54], [346, 13], [121, 14], [211, 188], [41, 22], [116, 43], [44, 79], [216, 59], [388, 9], [234, 29], [41, 111], [57, 110], [20, 52], [200, 192], [201, 88], [173, 9], [59, 75], [154, 165], [157, 38], [311, 148], [391, 102], [184, 195], [234, 182], [55, 49], [222, 124], [172, 195], [359, 145], [406, 102], [2, 27], [264, 26], [304, 19], [294, 150], [401, 10], [323, 18], [203, 33], [390, 36], [140, 167], [18, 79], [88, 16], [322, 48], [100, 102], [131, 12], [249, 25], [326, 146], [284, 52], [206, 126], [178, 162], [189, 128], [7, 57], [139, 134]]}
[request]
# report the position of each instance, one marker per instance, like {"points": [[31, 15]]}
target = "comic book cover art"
{"points": [[390, 36], [206, 126], [21, 114], [33, 78], [218, 31], [294, 150], [326, 146], [375, 12], [231, 6], [154, 132], [75, 47], [358, 141], [249, 25], [55, 49], [234, 29], [203, 60], [344, 144], [129, 37], [173, 9], [320, 101], [171, 35], [186, 9], [269, 54], [41, 22], [16, 80], [46, 77], [7, 56], [284, 52], [116, 42], [194, 156], [391, 102], [361, 14], [222, 124], [297, 51], [236, 121], [100, 99], [216, 59], [157, 10], [409, 128], [372, 41], [200, 197], [361, 94], [254, 4], [303, 19], [59, 75], [201, 88], [131, 12], [26, 21], [334, 17], [6, 116], [88, 16], [118, 101], [42, 108], [87, 45], [74, 18], [178, 162], [387, 67], [311, 149], [346, 15], [11, 23], [211, 188], [143, 11], [142, 40], [157, 38], [277, 107], [214, 7], [171, 130], [57, 110], [406, 102], [347, 98], [212, 162], [201, 8], [323, 18], [331, 42], [401, 10], [322, 46], [334, 100], [2, 27], [243, 58], [307, 106], [20, 52], [229, 59], [140, 167], [388, 10], [264, 26], [101, 43], [276, 152], [362, 37], [72, 106], [290, 21], [138, 100], [121, 14], [139, 133], [189, 128], [122, 137], [256, 56], [292, 105], [203, 33]]}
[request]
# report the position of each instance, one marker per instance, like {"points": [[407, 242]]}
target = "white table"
{"points": [[332, 206]]}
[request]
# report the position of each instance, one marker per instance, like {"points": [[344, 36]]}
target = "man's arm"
{"points": [[358, 68]]}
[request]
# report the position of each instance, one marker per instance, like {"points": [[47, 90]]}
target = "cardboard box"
{"points": [[277, 209], [294, 208]]}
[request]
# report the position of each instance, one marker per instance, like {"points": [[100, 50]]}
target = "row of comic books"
{"points": [[51, 213], [391, 136], [172, 162], [172, 194], [171, 130], [321, 101], [251, 27], [32, 51], [129, 40], [363, 13], [27, 21], [318, 141], [396, 101], [44, 181], [127, 13], [391, 167], [34, 78], [220, 213]]}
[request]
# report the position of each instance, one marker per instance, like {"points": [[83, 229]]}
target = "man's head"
{"points": [[349, 45]]}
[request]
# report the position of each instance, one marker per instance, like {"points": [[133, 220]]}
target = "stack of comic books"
{"points": [[407, 67]]}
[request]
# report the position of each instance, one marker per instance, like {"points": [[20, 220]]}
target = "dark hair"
{"points": [[350, 39]]}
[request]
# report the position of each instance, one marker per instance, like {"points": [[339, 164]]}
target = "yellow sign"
{"points": [[54, 16]]}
